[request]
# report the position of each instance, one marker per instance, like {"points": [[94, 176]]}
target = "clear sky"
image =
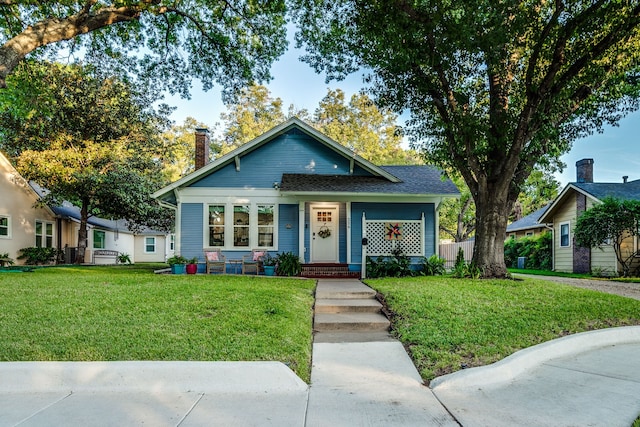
{"points": [[616, 152]]}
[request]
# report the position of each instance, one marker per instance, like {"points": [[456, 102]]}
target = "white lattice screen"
{"points": [[410, 240]]}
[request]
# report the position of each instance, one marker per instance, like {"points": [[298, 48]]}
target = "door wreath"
{"points": [[324, 232]]}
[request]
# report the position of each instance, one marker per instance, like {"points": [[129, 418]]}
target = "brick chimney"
{"points": [[584, 170], [202, 147]]}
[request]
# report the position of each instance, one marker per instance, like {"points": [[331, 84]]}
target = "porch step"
{"points": [[347, 308], [328, 271], [348, 305], [333, 322]]}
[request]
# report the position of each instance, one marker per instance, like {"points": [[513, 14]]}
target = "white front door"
{"points": [[324, 233]]}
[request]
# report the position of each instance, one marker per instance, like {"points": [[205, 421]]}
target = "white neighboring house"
{"points": [[24, 225]]}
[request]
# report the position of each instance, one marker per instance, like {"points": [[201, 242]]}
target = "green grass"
{"points": [[128, 313], [448, 323], [574, 275], [550, 273]]}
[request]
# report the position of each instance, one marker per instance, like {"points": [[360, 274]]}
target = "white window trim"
{"points": [[44, 229], [229, 225], [155, 245], [93, 240], [8, 236], [568, 224]]}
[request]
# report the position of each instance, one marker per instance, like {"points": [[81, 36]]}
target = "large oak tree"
{"points": [[88, 139], [493, 87], [230, 42]]}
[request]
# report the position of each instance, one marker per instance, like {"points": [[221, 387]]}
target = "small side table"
{"points": [[236, 264]]}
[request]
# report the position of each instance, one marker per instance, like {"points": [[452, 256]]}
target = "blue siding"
{"points": [[191, 223], [391, 211], [288, 237], [292, 152]]}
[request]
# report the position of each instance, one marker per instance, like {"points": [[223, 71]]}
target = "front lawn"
{"points": [[447, 324], [128, 313]]}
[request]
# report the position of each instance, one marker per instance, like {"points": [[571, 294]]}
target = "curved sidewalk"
{"points": [[591, 378]]}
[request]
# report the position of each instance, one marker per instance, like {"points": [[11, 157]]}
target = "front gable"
{"points": [[292, 147], [292, 152]]}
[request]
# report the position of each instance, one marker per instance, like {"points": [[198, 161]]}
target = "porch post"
{"points": [[301, 231], [363, 267]]}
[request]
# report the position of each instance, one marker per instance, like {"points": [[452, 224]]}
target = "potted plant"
{"points": [[177, 263], [269, 265], [5, 260], [192, 265]]}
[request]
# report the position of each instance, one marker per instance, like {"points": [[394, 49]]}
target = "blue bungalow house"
{"points": [[294, 189]]}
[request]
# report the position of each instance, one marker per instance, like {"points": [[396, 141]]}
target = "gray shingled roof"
{"points": [[414, 180], [529, 221], [600, 190], [70, 211]]}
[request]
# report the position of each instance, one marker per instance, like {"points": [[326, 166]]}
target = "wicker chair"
{"points": [[253, 262], [216, 262]]}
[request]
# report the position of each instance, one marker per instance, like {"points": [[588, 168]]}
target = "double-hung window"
{"points": [[241, 226], [265, 225], [5, 227], [99, 239], [565, 235], [216, 225], [149, 245], [44, 234]]}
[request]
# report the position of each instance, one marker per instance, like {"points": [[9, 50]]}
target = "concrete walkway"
{"points": [[585, 379]]}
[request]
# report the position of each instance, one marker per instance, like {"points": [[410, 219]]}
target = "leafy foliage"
{"points": [[124, 258], [396, 265], [5, 260], [611, 221], [493, 88], [178, 149], [38, 256], [358, 124], [288, 264], [536, 249], [88, 139], [433, 266], [166, 43]]}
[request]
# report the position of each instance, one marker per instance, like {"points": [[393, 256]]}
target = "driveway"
{"points": [[625, 289]]}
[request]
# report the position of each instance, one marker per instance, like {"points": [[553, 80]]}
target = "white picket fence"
{"points": [[449, 251]]}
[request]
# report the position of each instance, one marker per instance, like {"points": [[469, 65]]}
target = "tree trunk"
{"points": [[82, 233], [492, 212]]}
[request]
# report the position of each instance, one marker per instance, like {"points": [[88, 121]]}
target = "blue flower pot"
{"points": [[177, 269], [269, 270]]}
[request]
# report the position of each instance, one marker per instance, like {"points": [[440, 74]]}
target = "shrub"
{"points": [[5, 260], [459, 259], [433, 266], [288, 264], [396, 265], [36, 256], [464, 270], [124, 259], [536, 250], [176, 259]]}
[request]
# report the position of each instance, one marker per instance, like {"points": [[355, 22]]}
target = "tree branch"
{"points": [[53, 30]]}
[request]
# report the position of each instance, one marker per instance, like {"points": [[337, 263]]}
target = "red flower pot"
{"points": [[192, 268]]}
